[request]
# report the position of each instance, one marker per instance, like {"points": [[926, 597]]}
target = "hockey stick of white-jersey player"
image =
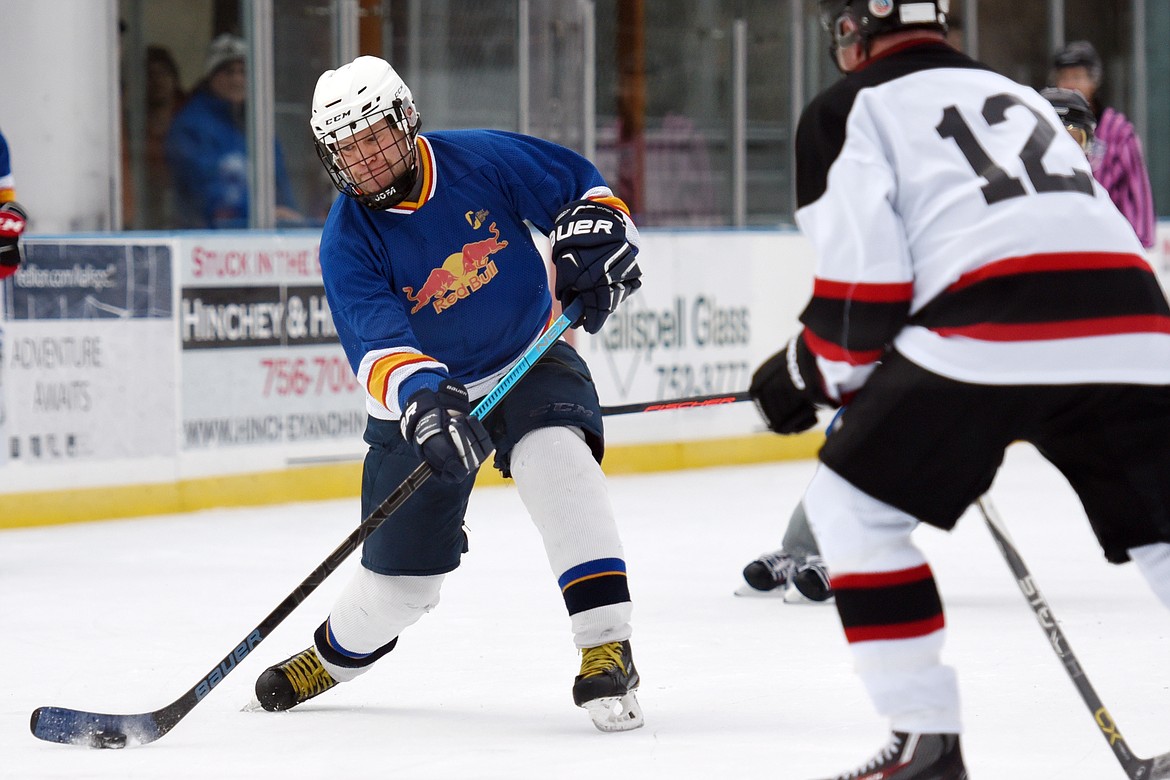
{"points": [[98, 730], [1156, 768], [689, 402]]}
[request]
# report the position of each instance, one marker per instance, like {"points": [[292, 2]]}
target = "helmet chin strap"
{"points": [[404, 184]]}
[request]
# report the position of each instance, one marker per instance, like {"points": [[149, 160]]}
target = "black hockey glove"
{"points": [[444, 434], [12, 222], [596, 260], [787, 389]]}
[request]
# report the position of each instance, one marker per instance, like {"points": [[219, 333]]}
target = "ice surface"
{"points": [[125, 616]]}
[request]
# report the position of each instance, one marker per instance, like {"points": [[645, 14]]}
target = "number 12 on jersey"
{"points": [[1000, 184]]}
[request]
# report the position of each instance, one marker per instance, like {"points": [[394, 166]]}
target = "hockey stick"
{"points": [[1156, 768], [690, 402], [97, 730]]}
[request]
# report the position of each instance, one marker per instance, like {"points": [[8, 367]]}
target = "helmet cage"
{"points": [[390, 134]]}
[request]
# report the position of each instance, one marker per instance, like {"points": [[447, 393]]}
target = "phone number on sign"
{"points": [[308, 376], [677, 381]]}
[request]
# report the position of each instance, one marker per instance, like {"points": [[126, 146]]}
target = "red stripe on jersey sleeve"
{"points": [[838, 354], [873, 292]]}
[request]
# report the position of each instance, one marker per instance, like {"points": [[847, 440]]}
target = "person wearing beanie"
{"points": [[207, 147]]}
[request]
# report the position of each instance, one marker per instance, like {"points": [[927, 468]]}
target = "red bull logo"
{"points": [[461, 274]]}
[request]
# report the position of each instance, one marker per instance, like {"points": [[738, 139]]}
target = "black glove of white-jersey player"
{"points": [[444, 434], [787, 388]]}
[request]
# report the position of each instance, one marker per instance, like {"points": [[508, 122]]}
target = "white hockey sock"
{"points": [[888, 604], [371, 611], [1154, 562], [564, 490]]}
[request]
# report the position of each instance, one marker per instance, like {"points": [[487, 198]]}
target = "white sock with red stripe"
{"points": [[888, 603]]}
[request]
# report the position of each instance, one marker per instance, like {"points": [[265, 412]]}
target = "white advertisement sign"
{"points": [[260, 359], [88, 369], [711, 308]]}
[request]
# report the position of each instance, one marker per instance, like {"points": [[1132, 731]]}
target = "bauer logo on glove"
{"points": [[440, 427], [595, 249]]}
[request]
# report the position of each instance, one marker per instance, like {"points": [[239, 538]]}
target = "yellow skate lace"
{"points": [[308, 677], [600, 659]]}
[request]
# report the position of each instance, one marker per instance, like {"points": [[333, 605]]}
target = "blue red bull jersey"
{"points": [[450, 284]]}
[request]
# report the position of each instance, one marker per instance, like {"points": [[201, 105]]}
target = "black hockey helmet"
{"points": [[881, 17], [1074, 112]]}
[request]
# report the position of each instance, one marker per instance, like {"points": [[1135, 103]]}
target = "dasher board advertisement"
{"points": [[87, 369], [703, 321], [260, 360]]}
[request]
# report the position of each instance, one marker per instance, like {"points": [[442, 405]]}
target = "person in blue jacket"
{"points": [[207, 149], [437, 289]]}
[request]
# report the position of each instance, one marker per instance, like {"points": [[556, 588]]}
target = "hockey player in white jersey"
{"points": [[974, 286]]}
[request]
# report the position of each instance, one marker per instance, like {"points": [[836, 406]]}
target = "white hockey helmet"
{"points": [[355, 98]]}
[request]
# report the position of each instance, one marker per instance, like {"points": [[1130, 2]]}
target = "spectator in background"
{"points": [[164, 99], [1116, 154], [12, 216], [955, 35], [206, 147]]}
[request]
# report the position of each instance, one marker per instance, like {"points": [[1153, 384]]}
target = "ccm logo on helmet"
{"points": [[339, 117], [583, 227]]}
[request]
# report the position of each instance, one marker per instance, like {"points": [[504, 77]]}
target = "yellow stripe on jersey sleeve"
{"points": [[378, 382]]}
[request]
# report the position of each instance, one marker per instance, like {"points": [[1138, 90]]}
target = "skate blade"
{"points": [[615, 713], [789, 595], [747, 591]]}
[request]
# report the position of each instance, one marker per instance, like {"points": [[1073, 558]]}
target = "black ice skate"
{"points": [[914, 757], [780, 574], [811, 578], [292, 682], [606, 687], [769, 571]]}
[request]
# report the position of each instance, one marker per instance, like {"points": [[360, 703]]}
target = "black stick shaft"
{"points": [[1134, 766]]}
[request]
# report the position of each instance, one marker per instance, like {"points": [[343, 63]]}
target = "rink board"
{"points": [[148, 374], [157, 373]]}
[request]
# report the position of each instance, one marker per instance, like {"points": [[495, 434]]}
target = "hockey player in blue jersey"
{"points": [[12, 216], [437, 289]]}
